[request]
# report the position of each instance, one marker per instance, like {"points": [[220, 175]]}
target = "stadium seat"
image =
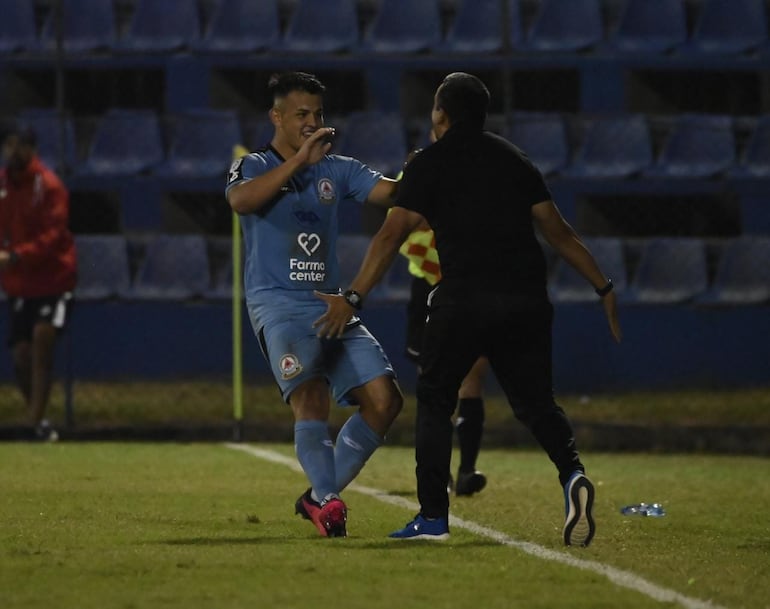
{"points": [[162, 27], [103, 267], [404, 26], [542, 137], [729, 27], [17, 27], [322, 26], [566, 25], [743, 273], [221, 265], [48, 127], [87, 25], [650, 26], [202, 141], [242, 26], [377, 139], [127, 142], [567, 285], [670, 270], [175, 267], [613, 147], [698, 146], [478, 27], [755, 161]]}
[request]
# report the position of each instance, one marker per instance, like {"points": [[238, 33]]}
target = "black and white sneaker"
{"points": [[45, 433], [579, 527]]}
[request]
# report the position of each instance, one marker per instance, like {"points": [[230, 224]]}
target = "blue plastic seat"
{"points": [[103, 267], [201, 143], [755, 161], [242, 26], [17, 27], [322, 26], [478, 27], [175, 267], [162, 27], [729, 26], [698, 146], [650, 26], [404, 26], [566, 25], [127, 142], [567, 285], [87, 25], [670, 270], [48, 126], [613, 147], [377, 139], [743, 273], [542, 137]]}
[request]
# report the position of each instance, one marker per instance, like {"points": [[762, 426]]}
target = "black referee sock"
{"points": [[470, 424]]}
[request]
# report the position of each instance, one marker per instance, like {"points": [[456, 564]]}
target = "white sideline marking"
{"points": [[616, 576]]}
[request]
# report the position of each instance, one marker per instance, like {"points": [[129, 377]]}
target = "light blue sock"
{"points": [[315, 452], [355, 444]]}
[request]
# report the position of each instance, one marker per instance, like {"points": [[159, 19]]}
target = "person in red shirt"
{"points": [[38, 267]]}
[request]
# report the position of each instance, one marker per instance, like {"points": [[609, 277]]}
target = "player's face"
{"points": [[296, 117]]}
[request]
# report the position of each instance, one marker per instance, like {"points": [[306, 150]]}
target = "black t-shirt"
{"points": [[476, 190]]}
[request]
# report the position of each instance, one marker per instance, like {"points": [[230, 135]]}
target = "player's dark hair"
{"points": [[465, 98], [280, 85]]}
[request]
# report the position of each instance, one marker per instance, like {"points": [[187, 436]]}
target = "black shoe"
{"points": [[468, 483], [45, 433]]}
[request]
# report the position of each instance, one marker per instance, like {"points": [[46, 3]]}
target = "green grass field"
{"points": [[202, 525]]}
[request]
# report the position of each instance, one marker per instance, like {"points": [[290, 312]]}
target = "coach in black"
{"points": [[483, 197]]}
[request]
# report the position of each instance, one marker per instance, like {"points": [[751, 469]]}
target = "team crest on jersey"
{"points": [[290, 366], [326, 192]]}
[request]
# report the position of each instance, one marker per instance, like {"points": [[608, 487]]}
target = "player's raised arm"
{"points": [[250, 195]]}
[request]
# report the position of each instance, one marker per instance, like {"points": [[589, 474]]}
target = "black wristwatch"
{"points": [[354, 299], [602, 292]]}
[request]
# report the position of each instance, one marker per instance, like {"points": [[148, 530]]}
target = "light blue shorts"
{"points": [[295, 354]]}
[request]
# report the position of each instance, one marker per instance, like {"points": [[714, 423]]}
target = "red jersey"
{"points": [[34, 211]]}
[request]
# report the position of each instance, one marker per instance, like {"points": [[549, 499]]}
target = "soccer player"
{"points": [[287, 196], [482, 197], [37, 267]]}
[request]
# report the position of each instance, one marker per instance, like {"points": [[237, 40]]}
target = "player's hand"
{"points": [[610, 303], [332, 324], [316, 146]]}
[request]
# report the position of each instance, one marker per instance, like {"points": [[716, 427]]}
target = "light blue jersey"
{"points": [[291, 244], [290, 251]]}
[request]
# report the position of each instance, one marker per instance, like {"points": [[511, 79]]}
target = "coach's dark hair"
{"points": [[280, 85], [464, 98]]}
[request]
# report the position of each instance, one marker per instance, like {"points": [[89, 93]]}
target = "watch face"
{"points": [[353, 298]]}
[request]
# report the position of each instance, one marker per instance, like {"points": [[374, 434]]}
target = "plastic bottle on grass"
{"points": [[643, 509]]}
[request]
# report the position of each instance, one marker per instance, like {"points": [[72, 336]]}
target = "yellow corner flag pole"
{"points": [[238, 152]]}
